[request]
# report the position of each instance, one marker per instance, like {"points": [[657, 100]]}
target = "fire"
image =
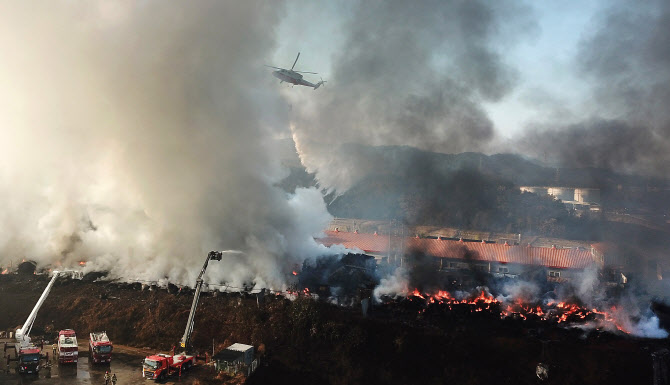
{"points": [[417, 293], [559, 312], [82, 263], [296, 293], [5, 271], [295, 272]]}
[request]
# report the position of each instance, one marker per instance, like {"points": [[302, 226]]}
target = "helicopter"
{"points": [[294, 77]]}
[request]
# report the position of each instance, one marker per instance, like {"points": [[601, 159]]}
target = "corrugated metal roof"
{"points": [[369, 243], [443, 248], [239, 347]]}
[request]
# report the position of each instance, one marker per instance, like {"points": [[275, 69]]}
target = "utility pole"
{"points": [[389, 250]]}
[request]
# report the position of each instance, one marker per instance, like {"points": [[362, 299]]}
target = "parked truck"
{"points": [[28, 355], [99, 348], [28, 360], [68, 349], [160, 366]]}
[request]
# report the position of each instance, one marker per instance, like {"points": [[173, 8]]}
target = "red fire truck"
{"points": [[27, 354], [28, 360], [99, 348], [160, 366], [68, 350]]}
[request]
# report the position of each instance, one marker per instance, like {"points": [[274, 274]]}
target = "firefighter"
{"points": [[54, 347], [114, 379], [107, 378]]}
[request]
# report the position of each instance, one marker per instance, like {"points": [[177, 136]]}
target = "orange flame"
{"points": [[559, 312], [417, 293]]}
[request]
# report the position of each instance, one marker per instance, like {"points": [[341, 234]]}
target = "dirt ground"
{"points": [[308, 342]]}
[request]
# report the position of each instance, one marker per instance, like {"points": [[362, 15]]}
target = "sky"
{"points": [[546, 62]]}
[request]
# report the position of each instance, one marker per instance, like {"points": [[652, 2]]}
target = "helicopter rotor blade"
{"points": [[305, 72], [296, 60]]}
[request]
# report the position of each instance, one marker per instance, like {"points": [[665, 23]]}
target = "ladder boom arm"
{"points": [[23, 333], [186, 338]]}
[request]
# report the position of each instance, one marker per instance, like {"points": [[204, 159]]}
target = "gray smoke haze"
{"points": [[409, 74], [132, 137], [626, 59]]}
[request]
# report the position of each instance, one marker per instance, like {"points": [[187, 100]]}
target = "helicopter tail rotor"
{"points": [[319, 84]]}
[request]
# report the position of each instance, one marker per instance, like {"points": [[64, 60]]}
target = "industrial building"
{"points": [[502, 260]]}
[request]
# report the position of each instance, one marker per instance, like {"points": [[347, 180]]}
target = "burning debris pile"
{"points": [[339, 279], [550, 312], [561, 305]]}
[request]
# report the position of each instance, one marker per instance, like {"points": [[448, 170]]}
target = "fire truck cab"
{"points": [[68, 350], [28, 360], [99, 348], [160, 366]]}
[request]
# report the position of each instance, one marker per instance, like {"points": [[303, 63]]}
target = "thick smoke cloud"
{"points": [[608, 144], [626, 60], [408, 74], [133, 138]]}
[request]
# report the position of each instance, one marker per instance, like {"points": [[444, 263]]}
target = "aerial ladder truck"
{"points": [[27, 354], [160, 366]]}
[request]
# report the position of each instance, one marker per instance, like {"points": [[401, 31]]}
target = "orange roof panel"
{"points": [[443, 248]]}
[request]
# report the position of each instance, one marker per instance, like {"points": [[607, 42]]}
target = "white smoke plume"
{"points": [[138, 136], [394, 284], [649, 327], [519, 290]]}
